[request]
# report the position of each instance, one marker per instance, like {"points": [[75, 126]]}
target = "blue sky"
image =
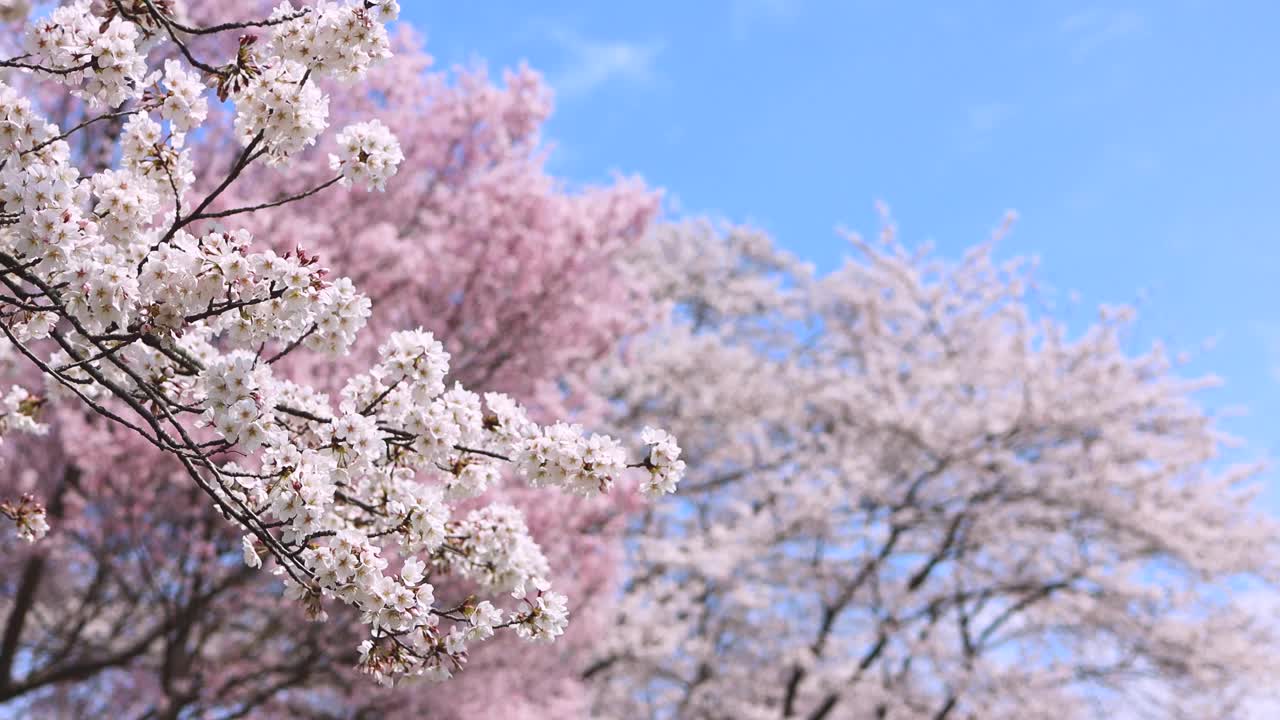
{"points": [[1138, 142]]}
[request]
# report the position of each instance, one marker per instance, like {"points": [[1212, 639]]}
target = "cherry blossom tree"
{"points": [[914, 494], [166, 301]]}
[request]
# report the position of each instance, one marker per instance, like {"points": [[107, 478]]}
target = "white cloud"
{"points": [[1091, 29], [591, 64]]}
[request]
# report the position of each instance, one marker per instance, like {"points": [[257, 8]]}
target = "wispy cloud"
{"points": [[985, 118], [1092, 29], [746, 14], [1267, 335], [980, 125], [590, 64]]}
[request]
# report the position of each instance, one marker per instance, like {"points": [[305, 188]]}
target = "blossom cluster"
{"points": [[182, 101], [339, 40], [664, 464], [19, 409], [368, 154], [167, 322], [397, 425], [563, 456], [101, 61], [28, 517], [281, 110]]}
